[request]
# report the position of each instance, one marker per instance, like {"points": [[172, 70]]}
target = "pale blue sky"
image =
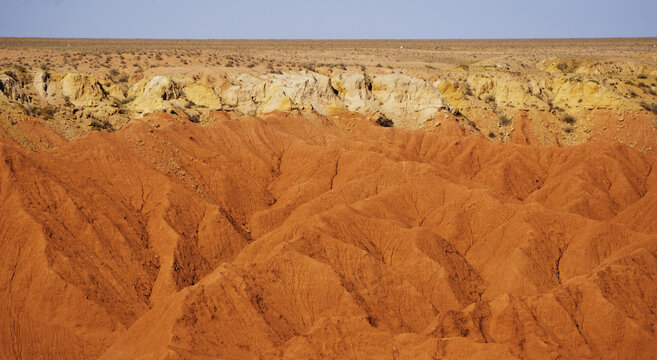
{"points": [[335, 19]]}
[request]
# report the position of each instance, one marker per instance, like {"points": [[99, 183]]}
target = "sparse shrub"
{"points": [[467, 90], [642, 76], [563, 67], [384, 121], [489, 99], [98, 125], [113, 72], [491, 135], [568, 119], [649, 107], [568, 129], [46, 112], [504, 120]]}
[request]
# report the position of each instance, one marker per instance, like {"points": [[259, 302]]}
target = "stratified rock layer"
{"points": [[301, 236]]}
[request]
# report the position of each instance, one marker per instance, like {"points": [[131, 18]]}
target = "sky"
{"points": [[334, 19]]}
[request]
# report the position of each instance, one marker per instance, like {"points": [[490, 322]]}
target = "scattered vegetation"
{"points": [[650, 107], [467, 90], [504, 120], [568, 119], [384, 121], [10, 74], [563, 67], [489, 99], [45, 112], [98, 125]]}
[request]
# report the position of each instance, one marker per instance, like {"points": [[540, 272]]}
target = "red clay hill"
{"points": [[307, 237]]}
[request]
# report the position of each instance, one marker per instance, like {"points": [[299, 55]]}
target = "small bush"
{"points": [[46, 112], [489, 99], [568, 129], [98, 125], [467, 90], [384, 121], [113, 72], [491, 135], [650, 107], [563, 67], [504, 121], [642, 76], [568, 119]]}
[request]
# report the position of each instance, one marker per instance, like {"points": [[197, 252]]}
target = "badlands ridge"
{"points": [[476, 212]]}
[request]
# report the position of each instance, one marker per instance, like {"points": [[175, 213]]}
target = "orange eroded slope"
{"points": [[293, 236]]}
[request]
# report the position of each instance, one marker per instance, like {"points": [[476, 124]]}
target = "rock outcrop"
{"points": [[557, 101], [83, 90]]}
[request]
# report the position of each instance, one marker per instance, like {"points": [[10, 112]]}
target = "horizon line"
{"points": [[326, 39]]}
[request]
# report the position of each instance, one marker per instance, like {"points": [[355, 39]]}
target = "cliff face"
{"points": [[299, 236], [557, 102]]}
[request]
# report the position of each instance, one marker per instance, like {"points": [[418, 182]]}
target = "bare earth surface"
{"points": [[328, 199]]}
